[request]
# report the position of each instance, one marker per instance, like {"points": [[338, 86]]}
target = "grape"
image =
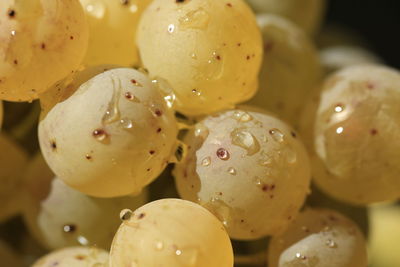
{"points": [[112, 137], [39, 37], [75, 257], [8, 257], [112, 26], [385, 235], [171, 232], [248, 168], [211, 51], [338, 57], [12, 164], [319, 238], [354, 133], [307, 14], [290, 70]]}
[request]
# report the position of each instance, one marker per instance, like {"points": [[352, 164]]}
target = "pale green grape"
{"points": [[171, 232], [8, 257], [353, 129], [319, 238], [384, 236], [290, 70], [42, 42], [308, 14], [74, 257], [209, 51], [337, 57], [112, 26], [13, 160], [112, 137], [248, 168]]}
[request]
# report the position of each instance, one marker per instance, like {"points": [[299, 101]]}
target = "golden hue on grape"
{"points": [[352, 127], [112, 27], [112, 137], [42, 41], [204, 51], [308, 14], [319, 238], [248, 168], [74, 257], [171, 232], [290, 70]]}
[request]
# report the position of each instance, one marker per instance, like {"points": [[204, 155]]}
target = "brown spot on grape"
{"points": [[223, 154], [80, 257], [141, 216], [11, 13], [374, 132], [53, 145]]}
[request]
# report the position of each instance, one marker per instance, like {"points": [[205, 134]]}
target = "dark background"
{"points": [[377, 21]]}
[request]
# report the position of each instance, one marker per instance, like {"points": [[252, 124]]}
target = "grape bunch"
{"points": [[194, 133]]}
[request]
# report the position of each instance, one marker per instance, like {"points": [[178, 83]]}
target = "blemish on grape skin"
{"points": [[223, 154], [373, 132], [43, 46], [71, 37], [69, 228], [294, 135], [159, 130], [141, 216], [158, 112], [229, 5], [151, 152], [80, 257], [88, 157], [11, 13], [53, 145]]}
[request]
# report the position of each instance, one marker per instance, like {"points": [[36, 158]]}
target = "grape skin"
{"points": [[208, 57], [39, 36], [308, 14], [248, 168], [112, 26], [171, 232], [51, 206], [290, 70], [319, 238], [74, 257], [352, 135], [112, 137]]}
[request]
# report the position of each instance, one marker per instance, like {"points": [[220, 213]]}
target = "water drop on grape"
{"points": [[277, 135], [246, 140]]}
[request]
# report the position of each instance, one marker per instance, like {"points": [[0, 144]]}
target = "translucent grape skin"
{"points": [[307, 14], [164, 233], [59, 216], [248, 168], [319, 238], [39, 37], [112, 137], [211, 51], [112, 26], [351, 131], [74, 257], [13, 160], [290, 70]]}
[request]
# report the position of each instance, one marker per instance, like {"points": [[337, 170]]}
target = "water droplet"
{"points": [[220, 209], [339, 108], [69, 228], [201, 131], [125, 215], [339, 130], [131, 97], [206, 161], [232, 171], [330, 243], [193, 55], [96, 10], [112, 114], [277, 135], [300, 256], [166, 90], [265, 159], [196, 92], [100, 135], [223, 154], [291, 155], [178, 252], [242, 116], [171, 28], [159, 245], [196, 19], [126, 123], [188, 257], [82, 240], [246, 140]]}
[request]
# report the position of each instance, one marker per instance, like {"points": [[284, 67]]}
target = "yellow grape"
{"points": [[42, 42], [13, 160], [319, 238], [111, 137], [290, 69], [308, 14], [352, 129], [248, 168], [112, 27], [171, 232], [209, 51], [74, 257]]}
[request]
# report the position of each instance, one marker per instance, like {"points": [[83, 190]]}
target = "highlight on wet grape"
{"points": [[171, 232], [208, 57], [319, 238], [308, 14], [39, 37], [290, 70], [74, 257], [248, 168], [112, 27], [112, 137], [353, 131]]}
